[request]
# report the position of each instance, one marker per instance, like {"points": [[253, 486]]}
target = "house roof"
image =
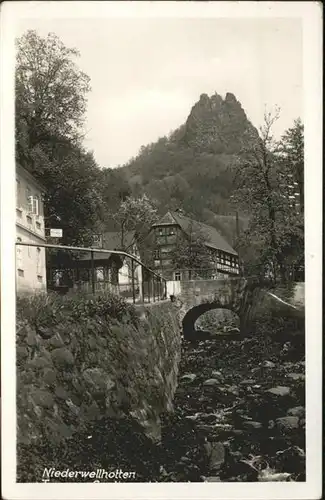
{"points": [[27, 175], [212, 236], [112, 240]]}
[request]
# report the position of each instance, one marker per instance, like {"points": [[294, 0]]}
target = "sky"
{"points": [[146, 74]]}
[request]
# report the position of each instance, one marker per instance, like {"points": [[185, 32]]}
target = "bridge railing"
{"points": [[67, 269], [216, 273], [211, 273]]}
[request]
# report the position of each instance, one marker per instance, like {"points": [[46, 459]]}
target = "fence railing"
{"points": [[67, 269]]}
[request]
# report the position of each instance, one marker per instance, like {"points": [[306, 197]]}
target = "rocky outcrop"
{"points": [[218, 125]]}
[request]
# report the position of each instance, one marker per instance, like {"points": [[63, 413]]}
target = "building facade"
{"points": [[30, 228], [165, 235], [111, 272], [129, 273]]}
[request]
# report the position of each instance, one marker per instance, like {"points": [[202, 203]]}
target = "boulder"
{"points": [[297, 411], [250, 424], [62, 357], [211, 381], [42, 398], [188, 377], [287, 423], [98, 380], [296, 376], [268, 364], [279, 390], [215, 452], [247, 381]]}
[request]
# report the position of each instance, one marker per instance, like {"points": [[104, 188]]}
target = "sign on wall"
{"points": [[56, 233]]}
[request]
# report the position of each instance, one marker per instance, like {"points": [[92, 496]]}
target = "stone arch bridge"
{"points": [[239, 295]]}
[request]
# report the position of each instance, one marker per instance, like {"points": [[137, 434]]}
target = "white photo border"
{"points": [[310, 14]]}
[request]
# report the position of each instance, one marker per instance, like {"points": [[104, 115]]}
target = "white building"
{"points": [[30, 228]]}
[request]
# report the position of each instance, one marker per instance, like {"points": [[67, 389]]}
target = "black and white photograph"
{"points": [[161, 249]]}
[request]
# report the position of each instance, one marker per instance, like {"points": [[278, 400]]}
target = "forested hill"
{"points": [[191, 168]]}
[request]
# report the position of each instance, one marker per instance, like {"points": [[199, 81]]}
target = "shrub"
{"points": [[50, 309]]}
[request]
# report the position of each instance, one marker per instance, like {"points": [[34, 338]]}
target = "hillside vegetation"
{"points": [[193, 168]]}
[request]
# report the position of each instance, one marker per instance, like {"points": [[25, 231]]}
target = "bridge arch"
{"points": [[193, 314], [242, 296], [199, 296]]}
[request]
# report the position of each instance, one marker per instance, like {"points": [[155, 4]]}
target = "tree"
{"points": [[115, 189], [291, 150], [73, 195], [50, 90], [50, 105], [255, 189], [190, 251], [134, 214], [291, 158], [268, 246]]}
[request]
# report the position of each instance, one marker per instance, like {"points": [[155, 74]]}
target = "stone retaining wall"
{"points": [[72, 371]]}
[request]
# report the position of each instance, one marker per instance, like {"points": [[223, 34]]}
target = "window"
{"points": [[97, 240], [166, 250], [38, 261], [100, 274], [18, 193], [28, 194], [29, 219], [156, 254], [57, 277], [19, 256], [33, 204], [38, 225], [177, 276]]}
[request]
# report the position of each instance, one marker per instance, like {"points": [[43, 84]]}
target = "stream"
{"points": [[239, 412], [239, 415]]}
